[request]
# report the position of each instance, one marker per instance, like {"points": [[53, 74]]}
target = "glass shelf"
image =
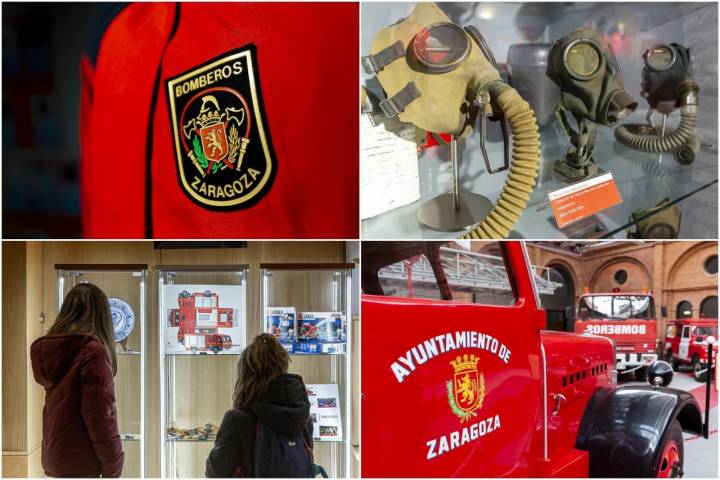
{"points": [[644, 179], [202, 329], [307, 306], [127, 283]]}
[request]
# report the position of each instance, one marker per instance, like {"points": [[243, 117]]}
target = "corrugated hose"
{"points": [[681, 141], [524, 165]]}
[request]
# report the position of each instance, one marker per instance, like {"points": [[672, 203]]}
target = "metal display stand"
{"points": [[127, 282], [197, 382], [454, 210], [319, 287]]}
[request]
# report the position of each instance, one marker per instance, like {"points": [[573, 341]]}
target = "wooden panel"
{"points": [[14, 466], [34, 329], [14, 352], [131, 467]]}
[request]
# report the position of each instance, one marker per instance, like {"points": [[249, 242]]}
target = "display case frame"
{"points": [[66, 271], [234, 275], [340, 364]]}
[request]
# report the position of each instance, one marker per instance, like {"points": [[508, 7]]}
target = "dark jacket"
{"points": [[284, 409], [80, 431]]}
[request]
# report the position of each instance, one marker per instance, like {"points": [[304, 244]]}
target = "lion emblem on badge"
{"points": [[466, 391], [215, 136]]}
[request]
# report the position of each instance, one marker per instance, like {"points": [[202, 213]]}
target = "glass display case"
{"points": [[126, 288], [307, 306], [202, 318], [520, 36]]}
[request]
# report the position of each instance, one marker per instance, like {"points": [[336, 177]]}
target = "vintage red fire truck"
{"points": [[626, 318], [686, 343], [452, 388], [199, 317]]}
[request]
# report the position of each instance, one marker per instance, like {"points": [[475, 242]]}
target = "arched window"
{"points": [[709, 307], [684, 310]]}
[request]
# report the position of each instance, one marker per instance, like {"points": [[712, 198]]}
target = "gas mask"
{"points": [[592, 90], [659, 222], [667, 84], [442, 78]]}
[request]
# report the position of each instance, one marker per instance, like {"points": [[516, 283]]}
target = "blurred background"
{"points": [[42, 44]]}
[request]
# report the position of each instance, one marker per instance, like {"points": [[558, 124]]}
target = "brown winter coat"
{"points": [[80, 431]]}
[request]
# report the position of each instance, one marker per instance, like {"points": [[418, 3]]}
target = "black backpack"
{"points": [[281, 456]]}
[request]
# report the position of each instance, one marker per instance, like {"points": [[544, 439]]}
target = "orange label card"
{"points": [[580, 200]]}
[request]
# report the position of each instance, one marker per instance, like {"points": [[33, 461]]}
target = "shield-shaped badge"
{"points": [[225, 157], [467, 388], [214, 142]]}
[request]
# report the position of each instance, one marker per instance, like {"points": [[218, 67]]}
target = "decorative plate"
{"points": [[123, 318]]}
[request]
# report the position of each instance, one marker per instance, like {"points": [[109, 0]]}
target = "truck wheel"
{"points": [[671, 453], [698, 372], [669, 357], [193, 349], [641, 374]]}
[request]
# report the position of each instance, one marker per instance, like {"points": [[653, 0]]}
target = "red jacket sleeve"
{"points": [[97, 403]]}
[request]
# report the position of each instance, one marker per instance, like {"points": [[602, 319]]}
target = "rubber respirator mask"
{"points": [[667, 84], [591, 90], [442, 78]]}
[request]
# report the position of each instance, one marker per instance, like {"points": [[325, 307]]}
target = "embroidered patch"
{"points": [[225, 158]]}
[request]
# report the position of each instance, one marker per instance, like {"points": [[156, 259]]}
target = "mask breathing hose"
{"points": [[681, 140], [524, 165]]}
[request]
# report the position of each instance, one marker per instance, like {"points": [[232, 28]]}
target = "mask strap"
{"points": [[398, 102], [372, 64]]}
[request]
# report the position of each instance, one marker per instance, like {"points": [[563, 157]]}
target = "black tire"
{"points": [[672, 436], [193, 349], [669, 357], [641, 374], [698, 366]]}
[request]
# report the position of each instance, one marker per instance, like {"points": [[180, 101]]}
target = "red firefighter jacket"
{"points": [[80, 431], [232, 120]]}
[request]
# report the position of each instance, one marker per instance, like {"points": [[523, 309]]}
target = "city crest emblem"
{"points": [[466, 391], [225, 159]]}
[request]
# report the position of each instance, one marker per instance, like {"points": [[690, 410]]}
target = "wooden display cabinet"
{"points": [[129, 284], [318, 287], [197, 376]]}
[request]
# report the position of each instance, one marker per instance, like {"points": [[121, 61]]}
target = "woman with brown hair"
{"points": [[75, 363], [268, 432]]}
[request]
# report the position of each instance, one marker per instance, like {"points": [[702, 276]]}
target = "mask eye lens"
{"points": [[582, 59], [660, 58], [441, 47]]}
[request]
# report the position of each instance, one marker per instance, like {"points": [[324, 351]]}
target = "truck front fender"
{"points": [[623, 429]]}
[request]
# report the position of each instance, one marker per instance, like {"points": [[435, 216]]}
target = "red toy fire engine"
{"points": [[626, 318], [198, 318], [686, 343], [460, 389]]}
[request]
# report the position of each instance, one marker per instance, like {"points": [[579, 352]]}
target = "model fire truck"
{"points": [[626, 318], [199, 317], [686, 343], [452, 388]]}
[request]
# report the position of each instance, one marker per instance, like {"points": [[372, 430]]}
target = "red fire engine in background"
{"points": [[199, 318], [452, 388], [686, 343], [626, 318]]}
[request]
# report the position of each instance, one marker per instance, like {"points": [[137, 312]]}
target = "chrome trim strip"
{"points": [[545, 402], [530, 273]]}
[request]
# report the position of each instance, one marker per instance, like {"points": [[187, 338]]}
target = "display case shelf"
{"points": [[308, 308], [127, 283], [202, 325]]}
